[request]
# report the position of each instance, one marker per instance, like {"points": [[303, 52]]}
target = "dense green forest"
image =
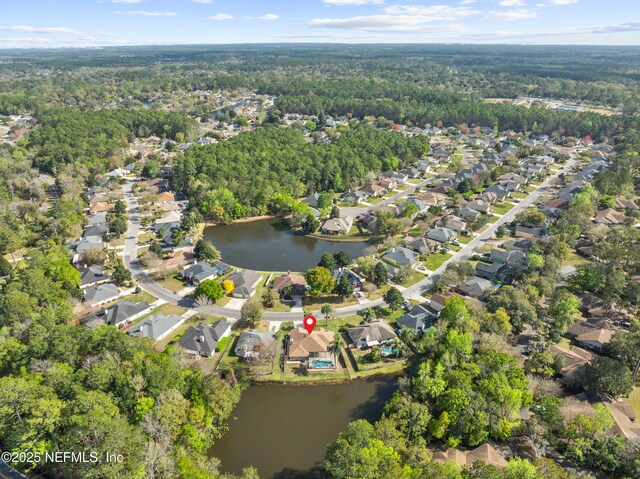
{"points": [[243, 174]]}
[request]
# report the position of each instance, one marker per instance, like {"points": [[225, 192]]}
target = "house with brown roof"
{"points": [[432, 198], [387, 183], [290, 285], [99, 207], [625, 204], [373, 189], [610, 217], [485, 453], [590, 337], [311, 350], [165, 197], [574, 357], [335, 226]]}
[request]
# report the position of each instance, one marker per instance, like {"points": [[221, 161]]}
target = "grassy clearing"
{"points": [[141, 296], [634, 400], [502, 208], [415, 181], [192, 321], [374, 200], [412, 280], [435, 260], [575, 260], [519, 195], [172, 283], [333, 299], [465, 239]]}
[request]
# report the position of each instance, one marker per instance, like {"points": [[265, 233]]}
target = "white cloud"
{"points": [[31, 29], [267, 16], [126, 2], [511, 15], [146, 13], [386, 23], [220, 16], [511, 3], [353, 2], [439, 13], [467, 2], [204, 2], [567, 32], [562, 2]]}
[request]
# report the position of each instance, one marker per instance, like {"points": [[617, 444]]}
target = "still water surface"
{"points": [[284, 430], [270, 245]]}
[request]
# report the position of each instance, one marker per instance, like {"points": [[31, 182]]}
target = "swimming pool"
{"points": [[388, 350], [320, 363]]}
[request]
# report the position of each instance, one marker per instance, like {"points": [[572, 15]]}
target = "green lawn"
{"points": [[415, 181], [412, 280], [117, 241], [332, 299], [378, 292], [575, 260], [141, 296], [403, 187], [502, 208], [435, 260], [519, 195], [172, 283], [374, 200], [465, 239]]}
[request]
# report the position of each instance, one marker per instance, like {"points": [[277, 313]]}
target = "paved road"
{"points": [[414, 291]]}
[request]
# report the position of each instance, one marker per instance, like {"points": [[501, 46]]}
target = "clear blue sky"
{"points": [[60, 23]]}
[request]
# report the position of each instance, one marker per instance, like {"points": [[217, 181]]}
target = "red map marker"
{"points": [[309, 323]]}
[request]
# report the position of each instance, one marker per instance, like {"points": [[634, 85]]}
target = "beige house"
{"points": [[311, 350]]}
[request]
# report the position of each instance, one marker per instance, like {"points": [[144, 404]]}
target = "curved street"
{"points": [[149, 285]]}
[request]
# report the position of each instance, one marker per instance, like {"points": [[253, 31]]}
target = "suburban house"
{"points": [[100, 207], [170, 217], [590, 337], [497, 272], [438, 300], [442, 235], [92, 275], [311, 350], [402, 256], [500, 191], [336, 226], [245, 283], [513, 256], [355, 196], [117, 315], [387, 183], [418, 319], [156, 327], [100, 294], [421, 244], [290, 286], [197, 273], [610, 217], [625, 204], [420, 204], [432, 198], [454, 223], [532, 233], [480, 206], [98, 219], [90, 242], [475, 287], [371, 334], [312, 200], [96, 230], [201, 341], [400, 178], [485, 453], [251, 342], [373, 189], [355, 279], [164, 198], [574, 357]]}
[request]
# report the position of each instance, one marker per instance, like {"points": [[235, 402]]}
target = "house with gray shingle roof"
{"points": [[202, 340], [156, 327], [90, 242], [371, 334], [402, 256], [197, 273], [97, 219], [100, 294], [418, 319], [475, 287], [92, 276], [249, 343], [244, 283], [442, 235]]}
